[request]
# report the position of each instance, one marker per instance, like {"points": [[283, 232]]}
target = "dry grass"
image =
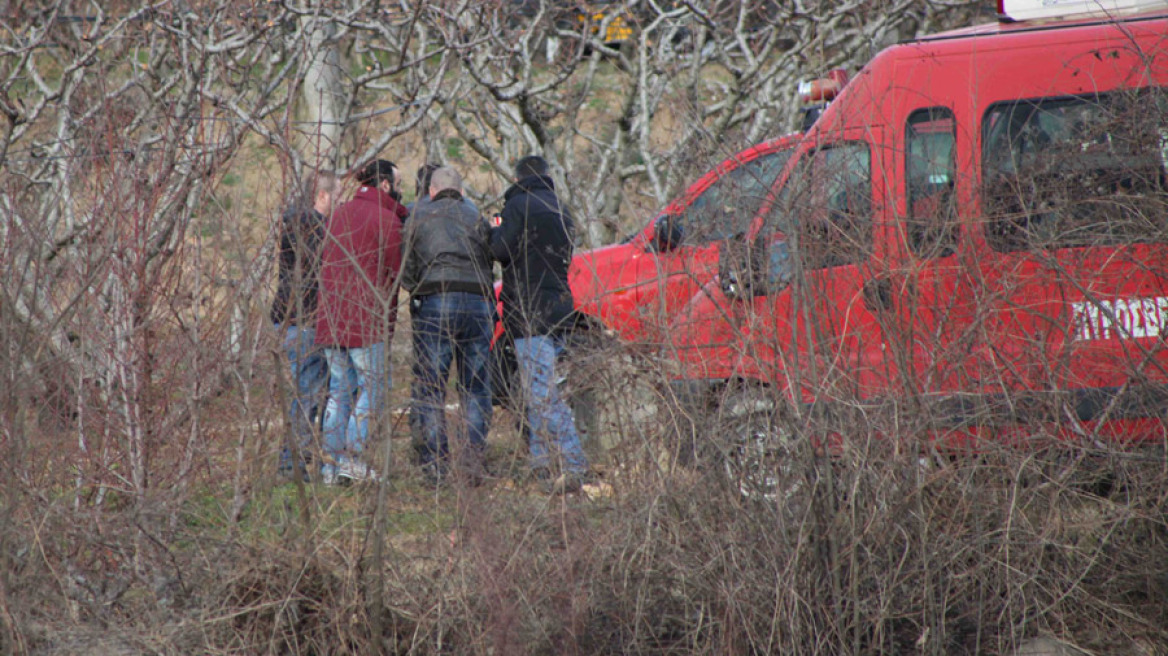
{"points": [[883, 551]]}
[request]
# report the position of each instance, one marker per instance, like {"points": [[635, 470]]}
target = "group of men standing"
{"points": [[340, 268]]}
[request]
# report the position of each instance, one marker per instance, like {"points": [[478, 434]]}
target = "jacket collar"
{"points": [[303, 213], [530, 184], [447, 193], [376, 195]]}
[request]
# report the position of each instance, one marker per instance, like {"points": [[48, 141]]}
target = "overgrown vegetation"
{"points": [[890, 546], [143, 391]]}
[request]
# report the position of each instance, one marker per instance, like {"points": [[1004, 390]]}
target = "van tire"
{"points": [[754, 444]]}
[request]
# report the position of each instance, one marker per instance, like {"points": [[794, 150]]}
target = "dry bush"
{"points": [[885, 544], [143, 401]]}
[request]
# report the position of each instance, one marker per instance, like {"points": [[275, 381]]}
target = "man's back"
{"points": [[301, 234], [534, 244], [447, 248], [362, 253]]}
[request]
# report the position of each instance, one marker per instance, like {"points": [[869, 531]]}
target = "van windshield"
{"points": [[1075, 172], [725, 209]]}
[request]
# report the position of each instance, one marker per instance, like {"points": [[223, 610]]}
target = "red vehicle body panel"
{"points": [[635, 287], [959, 298]]}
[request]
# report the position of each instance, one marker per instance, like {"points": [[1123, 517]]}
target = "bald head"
{"points": [[444, 178]]}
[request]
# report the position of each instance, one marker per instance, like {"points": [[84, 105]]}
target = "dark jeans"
{"points": [[447, 326]]}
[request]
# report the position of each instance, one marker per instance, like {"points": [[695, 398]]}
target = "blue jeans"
{"points": [[448, 326], [358, 383], [553, 431], [309, 375]]}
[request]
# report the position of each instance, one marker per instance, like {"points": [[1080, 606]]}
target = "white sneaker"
{"points": [[355, 470]]}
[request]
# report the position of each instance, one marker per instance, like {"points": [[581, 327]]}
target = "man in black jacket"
{"points": [[534, 244], [447, 271], [294, 308]]}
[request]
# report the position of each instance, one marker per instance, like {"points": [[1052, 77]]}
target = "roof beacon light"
{"points": [[1026, 10], [823, 89], [817, 94]]}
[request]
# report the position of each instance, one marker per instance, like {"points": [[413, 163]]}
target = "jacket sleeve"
{"points": [[482, 235], [393, 250], [504, 240], [288, 241], [411, 268]]}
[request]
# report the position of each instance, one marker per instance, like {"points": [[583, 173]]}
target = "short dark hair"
{"points": [[374, 172], [424, 173], [531, 165]]}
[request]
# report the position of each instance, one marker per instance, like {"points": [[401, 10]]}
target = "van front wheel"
{"points": [[756, 445]]}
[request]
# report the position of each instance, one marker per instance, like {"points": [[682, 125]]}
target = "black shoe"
{"points": [[470, 468], [576, 481], [474, 474], [435, 473], [287, 471], [569, 482]]}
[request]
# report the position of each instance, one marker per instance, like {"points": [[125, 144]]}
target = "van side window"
{"points": [[828, 201], [725, 209], [930, 135], [1073, 172]]}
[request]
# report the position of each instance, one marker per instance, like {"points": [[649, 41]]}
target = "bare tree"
{"points": [[686, 82], [121, 119], [120, 122], [133, 279]]}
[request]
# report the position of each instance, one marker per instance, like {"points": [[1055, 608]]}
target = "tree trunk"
{"points": [[323, 93]]}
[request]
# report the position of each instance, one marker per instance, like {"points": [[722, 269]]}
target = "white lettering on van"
{"points": [[1122, 318]]}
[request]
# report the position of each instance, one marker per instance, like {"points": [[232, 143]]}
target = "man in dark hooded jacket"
{"points": [[533, 242]]}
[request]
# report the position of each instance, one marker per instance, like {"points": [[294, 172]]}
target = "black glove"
{"points": [[483, 231]]}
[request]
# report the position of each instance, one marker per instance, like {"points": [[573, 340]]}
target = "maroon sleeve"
{"points": [[393, 246]]}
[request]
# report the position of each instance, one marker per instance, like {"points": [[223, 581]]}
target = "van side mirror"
{"points": [[732, 273], [666, 233]]}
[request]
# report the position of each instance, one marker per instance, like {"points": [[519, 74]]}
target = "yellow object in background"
{"points": [[617, 31]]}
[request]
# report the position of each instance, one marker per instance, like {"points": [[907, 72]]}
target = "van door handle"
{"points": [[878, 295]]}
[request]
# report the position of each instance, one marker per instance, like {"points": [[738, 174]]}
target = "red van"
{"points": [[973, 236]]}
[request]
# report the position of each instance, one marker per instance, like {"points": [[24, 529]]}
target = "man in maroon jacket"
{"points": [[356, 313]]}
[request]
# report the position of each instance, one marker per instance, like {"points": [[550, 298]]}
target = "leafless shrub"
{"points": [[141, 407]]}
